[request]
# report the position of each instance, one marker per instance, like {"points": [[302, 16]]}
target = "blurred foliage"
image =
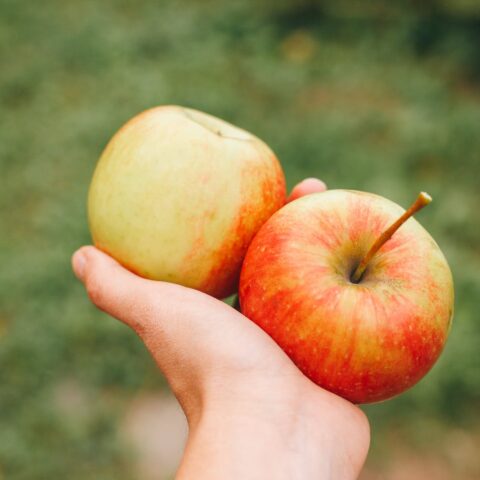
{"points": [[381, 96]]}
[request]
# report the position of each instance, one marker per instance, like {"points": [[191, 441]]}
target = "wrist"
{"points": [[258, 434]]}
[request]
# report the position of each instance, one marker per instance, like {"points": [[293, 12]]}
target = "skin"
{"points": [[190, 190], [251, 413], [368, 341]]}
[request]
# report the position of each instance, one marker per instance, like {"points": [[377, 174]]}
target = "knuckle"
{"points": [[144, 319], [95, 291]]}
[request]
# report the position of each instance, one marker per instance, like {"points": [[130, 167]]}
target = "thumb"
{"points": [[159, 312], [176, 323], [113, 288]]}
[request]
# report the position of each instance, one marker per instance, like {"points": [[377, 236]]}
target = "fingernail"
{"points": [[79, 262]]}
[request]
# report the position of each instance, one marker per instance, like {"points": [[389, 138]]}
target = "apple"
{"points": [[361, 315], [178, 195]]}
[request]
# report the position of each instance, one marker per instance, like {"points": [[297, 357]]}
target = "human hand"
{"points": [[251, 413]]}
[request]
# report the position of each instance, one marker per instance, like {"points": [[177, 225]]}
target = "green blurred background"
{"points": [[381, 96]]}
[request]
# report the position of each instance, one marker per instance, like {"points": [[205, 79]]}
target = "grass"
{"points": [[389, 106]]}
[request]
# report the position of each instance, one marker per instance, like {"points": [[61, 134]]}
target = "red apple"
{"points": [[178, 195], [361, 316]]}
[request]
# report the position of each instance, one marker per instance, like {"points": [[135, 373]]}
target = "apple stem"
{"points": [[422, 200]]}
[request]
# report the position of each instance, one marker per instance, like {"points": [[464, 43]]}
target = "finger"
{"points": [[306, 187], [151, 308], [112, 288], [157, 311]]}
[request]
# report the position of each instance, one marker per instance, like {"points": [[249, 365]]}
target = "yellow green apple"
{"points": [[178, 195], [361, 301]]}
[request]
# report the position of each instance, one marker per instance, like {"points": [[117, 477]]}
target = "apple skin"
{"points": [[178, 195], [365, 342]]}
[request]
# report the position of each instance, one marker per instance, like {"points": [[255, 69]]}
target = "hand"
{"points": [[251, 413]]}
